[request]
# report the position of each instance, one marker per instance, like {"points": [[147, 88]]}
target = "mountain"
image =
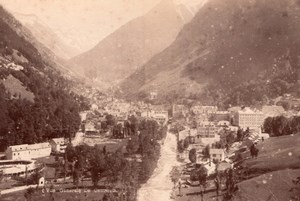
{"points": [[133, 44], [36, 101], [46, 36], [229, 46]]}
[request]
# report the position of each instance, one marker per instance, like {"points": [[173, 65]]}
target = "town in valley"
{"points": [[150, 100]]}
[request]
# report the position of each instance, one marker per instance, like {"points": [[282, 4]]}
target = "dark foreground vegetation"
{"points": [[122, 170]]}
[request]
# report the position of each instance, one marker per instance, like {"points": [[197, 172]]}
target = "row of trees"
{"points": [[280, 125], [113, 168]]}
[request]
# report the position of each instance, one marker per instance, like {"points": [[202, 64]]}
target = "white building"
{"points": [[25, 151], [178, 110], [217, 154], [89, 127], [199, 109], [146, 113], [58, 145], [207, 130], [94, 107], [221, 116], [207, 133], [17, 167], [160, 115], [248, 118], [83, 115]]}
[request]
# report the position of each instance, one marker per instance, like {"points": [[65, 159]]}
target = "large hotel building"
{"points": [[248, 118]]}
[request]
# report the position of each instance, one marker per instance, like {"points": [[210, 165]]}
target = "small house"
{"points": [[217, 154], [58, 145]]}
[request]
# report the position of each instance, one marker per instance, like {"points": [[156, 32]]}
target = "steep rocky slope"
{"points": [[228, 44]]}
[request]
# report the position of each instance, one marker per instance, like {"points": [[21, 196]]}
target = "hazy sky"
{"points": [[84, 22]]}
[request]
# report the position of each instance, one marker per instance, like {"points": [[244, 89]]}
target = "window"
{"points": [[214, 155]]}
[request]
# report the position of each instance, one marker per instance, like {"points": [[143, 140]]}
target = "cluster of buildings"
{"points": [[121, 112], [212, 125]]}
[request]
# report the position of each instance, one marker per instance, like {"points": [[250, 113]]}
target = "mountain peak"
{"points": [[132, 45]]}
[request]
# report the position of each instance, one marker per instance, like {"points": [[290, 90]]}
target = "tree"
{"points": [[193, 155], [98, 165], [133, 144], [253, 151], [76, 173], [186, 142], [268, 125], [239, 134], [180, 146], [110, 120], [205, 151], [230, 184], [279, 125], [230, 139], [200, 174], [29, 193]]}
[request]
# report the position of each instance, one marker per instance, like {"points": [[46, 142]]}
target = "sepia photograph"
{"points": [[149, 100]]}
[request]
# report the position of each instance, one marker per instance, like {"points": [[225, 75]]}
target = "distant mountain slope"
{"points": [[132, 45], [46, 36], [226, 44]]}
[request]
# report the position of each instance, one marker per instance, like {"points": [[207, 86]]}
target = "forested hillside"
{"points": [[53, 112], [238, 52]]}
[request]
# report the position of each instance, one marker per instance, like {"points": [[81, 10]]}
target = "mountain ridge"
{"points": [[226, 44], [46, 36], [132, 45]]}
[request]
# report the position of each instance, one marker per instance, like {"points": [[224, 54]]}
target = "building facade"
{"points": [[207, 130], [58, 145], [217, 155], [221, 116], [247, 118], [27, 152]]}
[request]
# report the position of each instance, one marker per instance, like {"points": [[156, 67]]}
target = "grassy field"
{"points": [[272, 172], [273, 186], [276, 154]]}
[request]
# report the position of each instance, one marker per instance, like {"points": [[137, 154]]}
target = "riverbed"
{"points": [[159, 186]]}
